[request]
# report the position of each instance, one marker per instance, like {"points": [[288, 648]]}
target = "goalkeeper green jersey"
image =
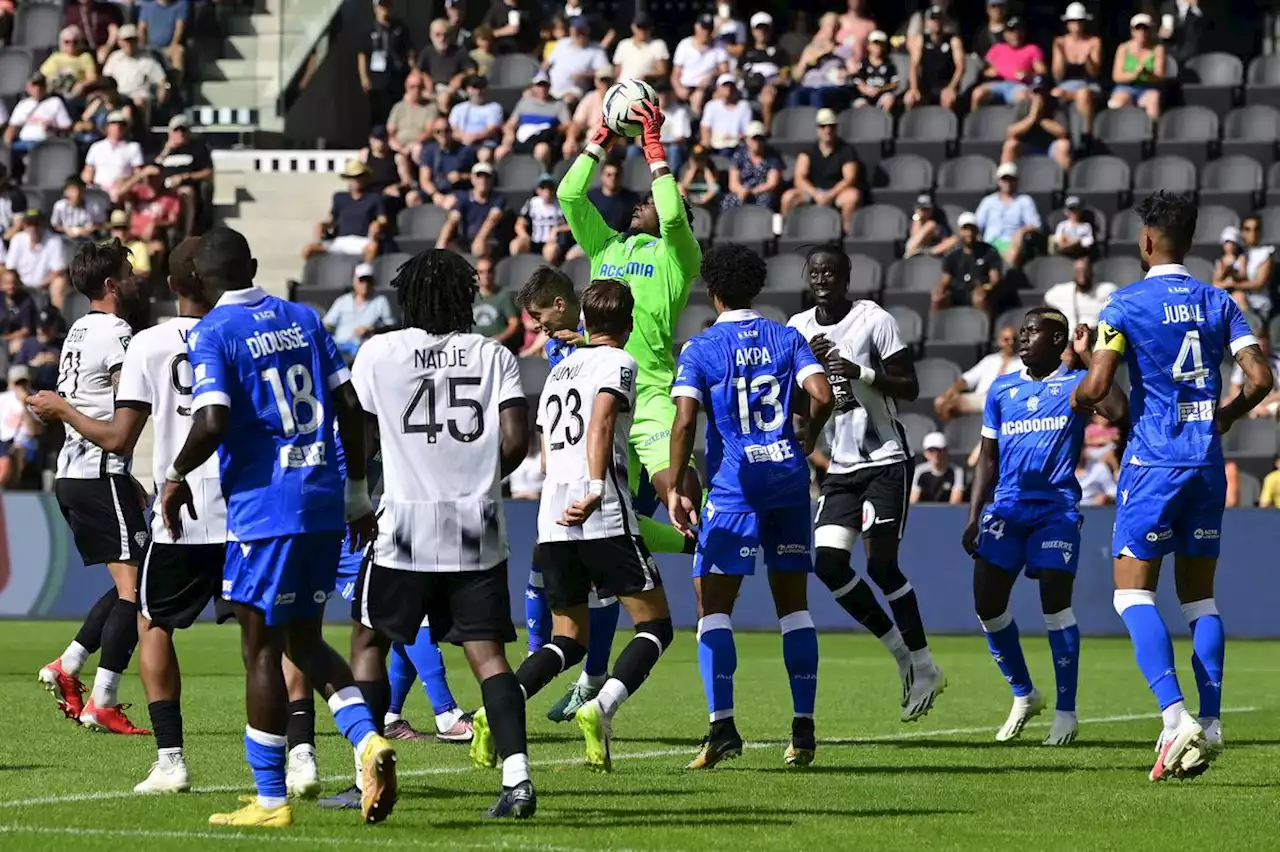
{"points": [[660, 270]]}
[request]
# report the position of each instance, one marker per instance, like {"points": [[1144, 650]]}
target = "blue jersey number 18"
{"points": [[300, 400]]}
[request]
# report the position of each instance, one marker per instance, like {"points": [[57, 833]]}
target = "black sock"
{"points": [[166, 721], [857, 599], [545, 664], [504, 705], [377, 694], [300, 729], [90, 635], [902, 600], [119, 636], [642, 653]]}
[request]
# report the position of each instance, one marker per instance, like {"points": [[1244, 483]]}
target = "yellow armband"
{"points": [[1109, 338]]}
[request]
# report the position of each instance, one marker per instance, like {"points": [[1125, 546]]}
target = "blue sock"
{"points": [[1064, 642], [603, 625], [402, 673], [1006, 650], [717, 660], [800, 654], [265, 754], [1152, 645], [537, 612], [429, 662], [1210, 643], [352, 715]]}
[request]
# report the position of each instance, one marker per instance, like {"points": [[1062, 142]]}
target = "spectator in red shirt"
{"points": [[155, 210], [1009, 65]]}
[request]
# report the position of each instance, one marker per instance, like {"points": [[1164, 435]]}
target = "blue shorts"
{"points": [[1073, 86], [348, 571], [1169, 510], [1135, 92], [1037, 536], [729, 541], [1004, 91], [288, 578]]}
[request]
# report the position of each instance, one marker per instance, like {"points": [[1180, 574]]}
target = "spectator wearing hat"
{"points": [[455, 12], [1082, 298], [969, 393], [388, 174], [512, 28], [36, 117], [442, 63], [19, 428], [876, 79], [730, 29], [642, 57], [937, 480], [854, 28], [1077, 64], [541, 227], [41, 350], [384, 61], [1074, 235], [937, 62], [697, 63], [1007, 217], [186, 167], [410, 118], [700, 183], [574, 63], [915, 30], [477, 121], [473, 222], [20, 315], [482, 55], [765, 67], [36, 254], [725, 117], [971, 275], [73, 218], [928, 233], [445, 165], [101, 100], [71, 68], [113, 159], [99, 22], [573, 9], [1010, 66], [1035, 130], [823, 69], [827, 173], [677, 129], [589, 113], [356, 218], [1139, 69], [1182, 27], [494, 313], [162, 28], [537, 123], [139, 253], [756, 174], [138, 76], [358, 314], [992, 33], [1245, 267]]}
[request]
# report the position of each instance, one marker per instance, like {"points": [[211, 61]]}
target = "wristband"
{"points": [[596, 487], [660, 164], [866, 375], [172, 475], [595, 152]]}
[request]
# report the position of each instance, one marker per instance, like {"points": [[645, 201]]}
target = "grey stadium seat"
{"points": [[869, 130], [1270, 226], [866, 276], [1012, 317], [1120, 271], [1263, 80], [1123, 239], [1124, 133], [786, 273], [809, 225], [15, 67], [935, 376], [694, 318], [794, 130], [916, 426], [37, 26], [1273, 331], [910, 282], [964, 181], [1177, 174], [1101, 182], [509, 76], [1250, 489], [1199, 268], [1207, 241], [421, 223], [579, 271], [902, 62], [1252, 131], [1041, 178], [51, 162], [512, 272], [533, 375], [76, 306], [1251, 438], [386, 266], [963, 434], [877, 230], [1044, 272], [910, 325], [750, 225], [900, 179], [927, 132], [329, 271], [517, 178], [636, 175], [772, 312], [958, 334], [1213, 81], [985, 130], [1188, 132], [1236, 182], [702, 225], [1092, 215]]}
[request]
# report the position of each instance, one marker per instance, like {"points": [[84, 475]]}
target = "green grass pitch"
{"points": [[943, 783]]}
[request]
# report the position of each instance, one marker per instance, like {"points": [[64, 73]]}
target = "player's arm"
{"points": [[118, 435], [1103, 362], [813, 381], [604, 415], [688, 391], [986, 471], [1258, 382], [513, 412], [1115, 405], [585, 222], [897, 378]]}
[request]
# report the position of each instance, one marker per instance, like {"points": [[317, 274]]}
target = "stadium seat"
{"points": [[749, 225], [1250, 489], [1235, 182], [785, 273], [1013, 317], [866, 276], [1207, 240], [1176, 174], [958, 334], [533, 375], [794, 130], [517, 178], [694, 318], [916, 426], [927, 131], [877, 230], [772, 312], [1213, 81], [910, 282], [386, 266], [1044, 272], [809, 225], [964, 181], [870, 131], [1270, 226], [509, 76], [75, 306], [636, 175], [702, 225], [37, 26], [329, 271], [1120, 271], [1190, 132], [1251, 438], [1263, 81], [1252, 131], [963, 434], [985, 131], [1101, 182], [910, 325], [1199, 268], [579, 271], [1123, 239], [15, 67], [421, 223], [899, 180], [793, 42], [512, 272], [1125, 133], [50, 163], [935, 376], [1041, 178]]}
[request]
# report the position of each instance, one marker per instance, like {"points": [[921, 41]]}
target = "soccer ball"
{"points": [[618, 101]]}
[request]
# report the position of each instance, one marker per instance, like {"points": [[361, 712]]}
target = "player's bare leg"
{"points": [[991, 588], [103, 712], [162, 682], [1194, 577], [718, 661], [302, 773], [1064, 644], [800, 654], [503, 717]]}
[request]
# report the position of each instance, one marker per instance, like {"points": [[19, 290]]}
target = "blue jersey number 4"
{"points": [[1190, 351]]}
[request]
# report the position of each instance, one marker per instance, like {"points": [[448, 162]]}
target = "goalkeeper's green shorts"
{"points": [[651, 433]]}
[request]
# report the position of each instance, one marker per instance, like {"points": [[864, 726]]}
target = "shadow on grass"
{"points": [[697, 818], [924, 770]]}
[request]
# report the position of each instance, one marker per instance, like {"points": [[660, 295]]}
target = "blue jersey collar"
{"points": [[740, 315], [1168, 269], [1058, 373], [247, 296]]}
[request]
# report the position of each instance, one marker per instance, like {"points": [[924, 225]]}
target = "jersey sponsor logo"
{"points": [[309, 455], [1194, 412], [1035, 424], [1163, 535], [1033, 403], [752, 356], [285, 599], [1202, 534], [319, 596], [792, 549], [1174, 314], [624, 270], [748, 552], [125, 339], [776, 452], [626, 377], [261, 316], [1056, 544], [265, 343]]}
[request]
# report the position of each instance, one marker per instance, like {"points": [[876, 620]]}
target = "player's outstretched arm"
{"points": [[1258, 382], [585, 222], [673, 221], [117, 435]]}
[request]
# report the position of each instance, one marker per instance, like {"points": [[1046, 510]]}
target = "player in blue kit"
{"points": [[746, 371], [1031, 442], [1172, 331], [268, 380]]}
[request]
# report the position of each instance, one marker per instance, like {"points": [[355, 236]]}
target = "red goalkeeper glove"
{"points": [[599, 143], [650, 118]]}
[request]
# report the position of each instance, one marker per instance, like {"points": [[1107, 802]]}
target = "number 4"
{"points": [[1190, 351]]}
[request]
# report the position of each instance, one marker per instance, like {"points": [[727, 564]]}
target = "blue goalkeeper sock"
{"points": [[603, 623], [800, 654], [1210, 642], [1152, 645], [1006, 650], [401, 673], [265, 754], [537, 612], [1064, 642], [429, 662], [717, 660], [352, 715]]}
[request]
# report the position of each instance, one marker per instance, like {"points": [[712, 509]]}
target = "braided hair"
{"points": [[436, 289]]}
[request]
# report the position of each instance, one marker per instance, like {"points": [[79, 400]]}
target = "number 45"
{"points": [[1191, 352]]}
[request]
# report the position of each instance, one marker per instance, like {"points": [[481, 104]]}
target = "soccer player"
{"points": [[1031, 442], [586, 526], [176, 581], [452, 420], [96, 493], [745, 371], [1172, 331], [868, 484], [268, 381]]}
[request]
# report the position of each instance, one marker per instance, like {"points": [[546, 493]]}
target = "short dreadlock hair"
{"points": [[734, 273], [544, 286], [436, 288], [1173, 215]]}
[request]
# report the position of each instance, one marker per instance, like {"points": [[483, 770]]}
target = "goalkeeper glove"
{"points": [[650, 118], [599, 143]]}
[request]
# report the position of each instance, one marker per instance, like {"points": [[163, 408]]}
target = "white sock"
{"points": [[922, 659], [592, 681], [106, 685], [1022, 700], [611, 696], [1172, 715], [73, 658], [303, 748], [359, 772], [170, 756], [390, 717], [515, 769], [893, 641], [271, 802], [447, 719]]}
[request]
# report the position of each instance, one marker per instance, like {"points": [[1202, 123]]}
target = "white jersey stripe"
{"points": [[142, 584], [120, 523]]}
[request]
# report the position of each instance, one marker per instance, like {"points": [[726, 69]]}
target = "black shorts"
{"points": [[106, 518], [177, 581], [872, 501], [459, 606], [223, 611], [615, 567]]}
